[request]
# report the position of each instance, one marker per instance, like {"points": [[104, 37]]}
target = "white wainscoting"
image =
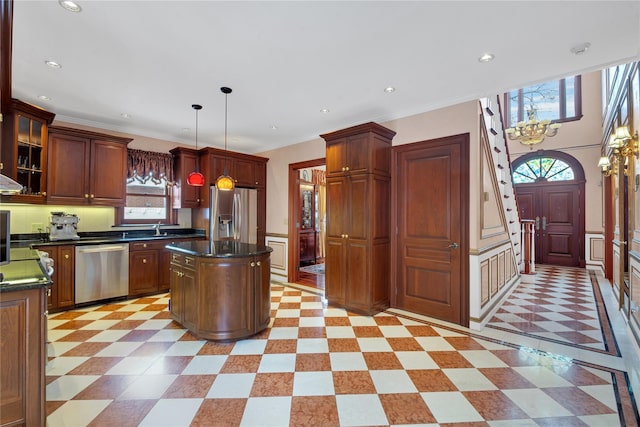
{"points": [[594, 251], [279, 257]]}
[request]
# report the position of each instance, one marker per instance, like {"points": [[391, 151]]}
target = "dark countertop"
{"points": [[219, 249], [97, 238], [20, 275]]}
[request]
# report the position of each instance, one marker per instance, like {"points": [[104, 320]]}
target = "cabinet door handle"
{"points": [[144, 245], [44, 194], [144, 260], [93, 196], [253, 264], [86, 196], [66, 256], [346, 236], [258, 263], [347, 169]]}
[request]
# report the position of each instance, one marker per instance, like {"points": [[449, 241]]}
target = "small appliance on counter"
{"points": [[64, 226]]}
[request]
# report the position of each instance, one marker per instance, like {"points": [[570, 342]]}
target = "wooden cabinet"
{"points": [[149, 266], [221, 298], [184, 195], [357, 273], [23, 356], [184, 302], [24, 155], [308, 246], [61, 295], [366, 152], [86, 168], [246, 170]]}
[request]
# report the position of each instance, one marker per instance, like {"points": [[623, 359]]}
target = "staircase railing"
{"points": [[492, 113]]}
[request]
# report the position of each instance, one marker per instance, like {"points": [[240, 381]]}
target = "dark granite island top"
{"points": [[220, 290], [219, 249]]}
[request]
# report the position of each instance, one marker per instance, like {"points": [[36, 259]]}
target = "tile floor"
{"points": [[562, 305], [128, 364]]}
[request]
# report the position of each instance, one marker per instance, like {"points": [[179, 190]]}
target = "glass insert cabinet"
{"points": [[25, 160]]}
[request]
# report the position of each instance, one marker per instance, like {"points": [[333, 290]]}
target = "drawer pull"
{"points": [[66, 256], [144, 260]]}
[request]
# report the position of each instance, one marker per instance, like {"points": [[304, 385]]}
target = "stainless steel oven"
{"points": [[102, 271]]}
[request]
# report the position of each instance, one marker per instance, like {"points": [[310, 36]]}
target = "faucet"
{"points": [[157, 228]]}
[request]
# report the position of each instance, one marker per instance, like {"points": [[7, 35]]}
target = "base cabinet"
{"points": [[22, 357], [149, 266], [221, 298], [61, 295]]}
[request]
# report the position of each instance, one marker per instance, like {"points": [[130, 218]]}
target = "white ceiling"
{"points": [[285, 61]]}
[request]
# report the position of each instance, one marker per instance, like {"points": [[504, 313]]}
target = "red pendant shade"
{"points": [[195, 179]]}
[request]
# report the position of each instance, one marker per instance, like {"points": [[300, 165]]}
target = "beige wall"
{"points": [[581, 139], [461, 118]]}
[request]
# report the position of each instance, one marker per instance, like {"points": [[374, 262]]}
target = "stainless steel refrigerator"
{"points": [[234, 215]]}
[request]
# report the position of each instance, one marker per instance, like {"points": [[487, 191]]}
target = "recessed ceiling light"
{"points": [[486, 57], [390, 89], [125, 115], [580, 48], [53, 64], [71, 6], [324, 110], [44, 97]]}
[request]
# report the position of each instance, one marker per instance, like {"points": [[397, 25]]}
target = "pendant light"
{"points": [[224, 181], [195, 178]]}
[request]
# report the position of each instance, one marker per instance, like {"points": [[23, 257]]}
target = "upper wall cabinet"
{"points": [[246, 170], [86, 168], [24, 156], [184, 195], [365, 152]]}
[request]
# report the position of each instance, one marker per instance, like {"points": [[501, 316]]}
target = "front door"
{"points": [[431, 199], [556, 212], [549, 187]]}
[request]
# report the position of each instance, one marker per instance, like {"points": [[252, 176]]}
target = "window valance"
{"points": [[149, 165], [318, 176]]}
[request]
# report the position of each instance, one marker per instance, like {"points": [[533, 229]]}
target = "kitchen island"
{"points": [[220, 290], [23, 287]]}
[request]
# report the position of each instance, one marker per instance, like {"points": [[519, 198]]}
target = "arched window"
{"points": [[543, 169], [546, 166]]}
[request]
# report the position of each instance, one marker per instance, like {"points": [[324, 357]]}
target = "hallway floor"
{"points": [[128, 364]]}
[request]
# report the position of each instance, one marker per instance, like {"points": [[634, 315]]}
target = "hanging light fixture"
{"points": [[532, 131], [195, 178], [224, 181]]}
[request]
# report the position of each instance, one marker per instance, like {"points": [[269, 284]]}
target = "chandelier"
{"points": [[532, 131]]}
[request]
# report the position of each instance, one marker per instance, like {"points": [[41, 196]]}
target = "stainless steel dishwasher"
{"points": [[102, 271]]}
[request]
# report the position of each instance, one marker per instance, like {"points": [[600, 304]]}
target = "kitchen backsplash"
{"points": [[27, 218]]}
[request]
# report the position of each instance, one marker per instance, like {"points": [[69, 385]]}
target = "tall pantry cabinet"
{"points": [[358, 247]]}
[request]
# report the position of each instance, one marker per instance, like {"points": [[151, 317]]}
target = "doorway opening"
{"points": [[307, 222], [549, 187]]}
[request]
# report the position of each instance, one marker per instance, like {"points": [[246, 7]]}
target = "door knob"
{"points": [[454, 245]]}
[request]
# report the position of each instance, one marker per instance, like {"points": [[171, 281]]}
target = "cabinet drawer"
{"points": [[177, 259], [189, 262], [145, 246]]}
